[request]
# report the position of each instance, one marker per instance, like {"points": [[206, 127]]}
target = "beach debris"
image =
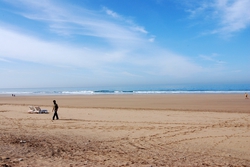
{"points": [[22, 141]]}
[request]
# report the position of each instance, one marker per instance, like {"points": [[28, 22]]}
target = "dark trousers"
{"points": [[55, 115]]}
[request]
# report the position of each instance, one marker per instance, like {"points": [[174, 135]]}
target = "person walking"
{"points": [[246, 96], [55, 109]]}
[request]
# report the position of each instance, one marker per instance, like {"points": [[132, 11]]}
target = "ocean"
{"points": [[156, 89]]}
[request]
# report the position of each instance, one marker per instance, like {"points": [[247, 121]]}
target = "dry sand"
{"points": [[126, 130]]}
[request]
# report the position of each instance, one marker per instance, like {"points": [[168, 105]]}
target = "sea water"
{"points": [[155, 89]]}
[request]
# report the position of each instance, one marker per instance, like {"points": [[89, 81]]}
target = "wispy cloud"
{"points": [[229, 16], [73, 20], [133, 26], [234, 15], [156, 62], [31, 49], [111, 13], [212, 58], [151, 39]]}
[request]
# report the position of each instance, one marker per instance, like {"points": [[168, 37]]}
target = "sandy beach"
{"points": [[126, 130]]}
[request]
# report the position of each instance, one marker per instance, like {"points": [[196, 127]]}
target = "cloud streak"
{"points": [[230, 16], [234, 16], [79, 21], [35, 50], [156, 62]]}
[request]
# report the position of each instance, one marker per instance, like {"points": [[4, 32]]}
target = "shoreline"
{"points": [[124, 93]]}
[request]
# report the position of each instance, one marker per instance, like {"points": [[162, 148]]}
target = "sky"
{"points": [[83, 43]]}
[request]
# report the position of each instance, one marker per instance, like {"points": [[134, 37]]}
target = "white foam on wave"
{"points": [[88, 92]]}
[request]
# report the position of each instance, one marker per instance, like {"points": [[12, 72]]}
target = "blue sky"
{"points": [[64, 43]]}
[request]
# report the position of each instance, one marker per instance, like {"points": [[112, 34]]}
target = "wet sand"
{"points": [[126, 130]]}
